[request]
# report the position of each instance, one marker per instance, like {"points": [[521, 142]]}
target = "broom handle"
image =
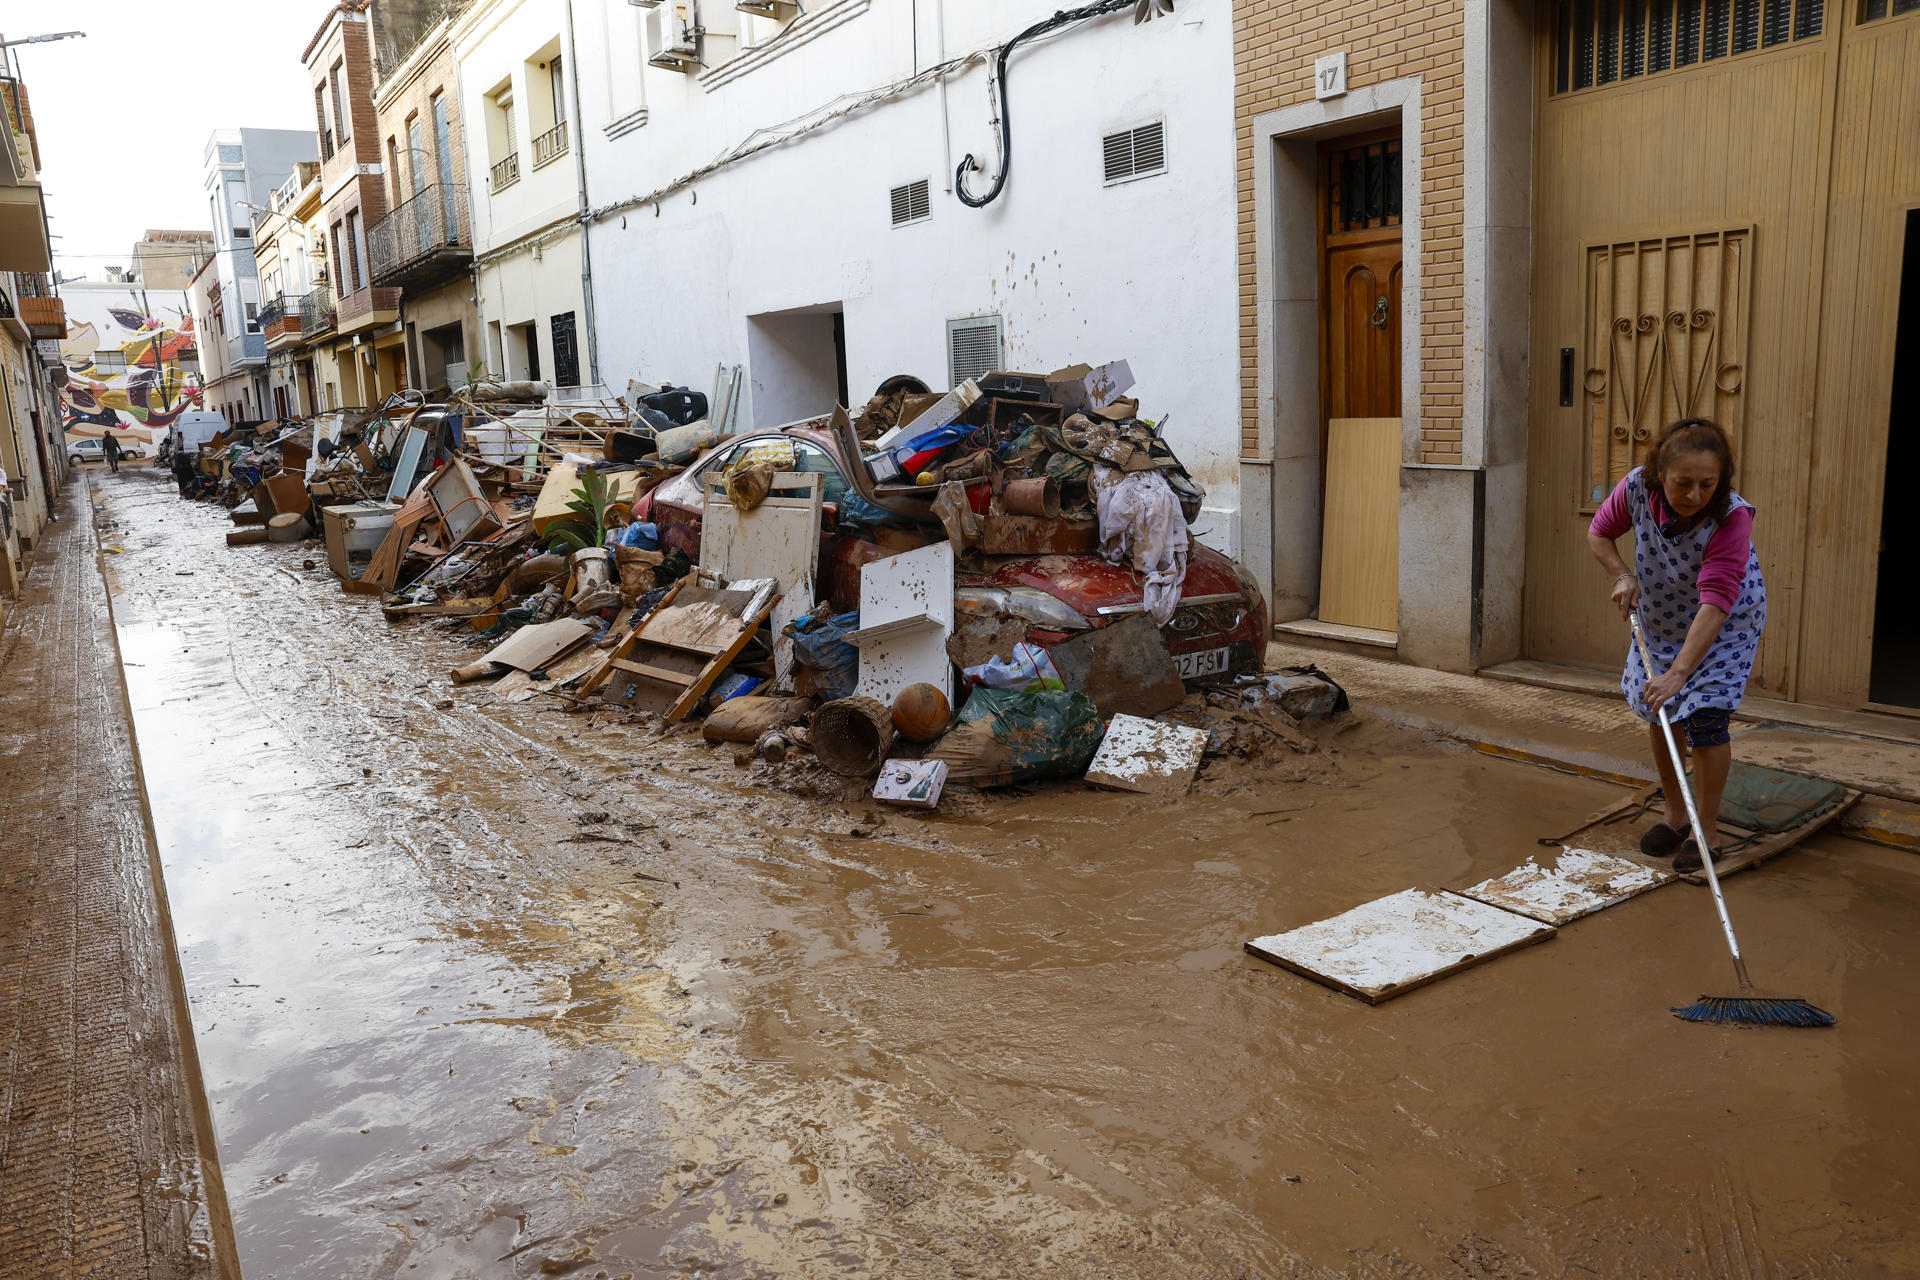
{"points": [[1693, 814]]}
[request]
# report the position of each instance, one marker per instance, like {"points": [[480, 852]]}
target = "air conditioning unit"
{"points": [[644, 4], [671, 39], [776, 9]]}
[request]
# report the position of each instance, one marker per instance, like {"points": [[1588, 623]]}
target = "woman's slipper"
{"points": [[1660, 841], [1688, 859]]}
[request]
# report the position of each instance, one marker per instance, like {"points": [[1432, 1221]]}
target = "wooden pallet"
{"points": [[689, 640]]}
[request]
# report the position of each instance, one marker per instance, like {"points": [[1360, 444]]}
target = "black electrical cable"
{"points": [[967, 165]]}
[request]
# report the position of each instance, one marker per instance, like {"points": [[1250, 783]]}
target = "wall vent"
{"points": [[1135, 153], [911, 203], [973, 347]]}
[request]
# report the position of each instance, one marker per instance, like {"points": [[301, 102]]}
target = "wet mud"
{"points": [[502, 990]]}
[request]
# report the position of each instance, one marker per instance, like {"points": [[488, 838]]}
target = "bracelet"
{"points": [[1625, 577]]}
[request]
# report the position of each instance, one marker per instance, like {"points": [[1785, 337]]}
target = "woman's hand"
{"points": [[1626, 593], [1665, 687]]}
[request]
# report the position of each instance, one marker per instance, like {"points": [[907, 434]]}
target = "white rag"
{"points": [[1141, 521]]}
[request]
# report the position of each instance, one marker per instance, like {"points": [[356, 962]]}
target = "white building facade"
{"points": [[524, 182], [779, 192]]}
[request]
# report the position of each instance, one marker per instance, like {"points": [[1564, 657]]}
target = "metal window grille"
{"points": [[973, 347], [1602, 42], [1363, 187], [1132, 153], [911, 203]]}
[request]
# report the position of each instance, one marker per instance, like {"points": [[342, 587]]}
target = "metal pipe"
{"points": [[946, 122]]}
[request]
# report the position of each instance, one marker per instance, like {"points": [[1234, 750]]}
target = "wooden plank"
{"points": [[699, 687], [625, 646], [652, 672], [1360, 547], [779, 539]]}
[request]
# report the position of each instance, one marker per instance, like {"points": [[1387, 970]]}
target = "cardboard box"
{"points": [[1081, 388]]}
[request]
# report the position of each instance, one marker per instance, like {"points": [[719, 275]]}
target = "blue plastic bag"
{"points": [[820, 645]]}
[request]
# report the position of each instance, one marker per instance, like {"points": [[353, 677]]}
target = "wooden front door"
{"points": [[1360, 382]]}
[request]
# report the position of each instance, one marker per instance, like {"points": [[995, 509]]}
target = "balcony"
{"points": [[316, 313], [366, 308], [424, 241], [44, 317], [504, 174], [551, 145], [247, 351], [280, 323]]}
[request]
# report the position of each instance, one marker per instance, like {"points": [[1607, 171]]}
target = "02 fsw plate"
{"points": [[1201, 663]]}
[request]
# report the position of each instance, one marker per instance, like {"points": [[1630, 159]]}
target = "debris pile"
{"points": [[990, 586]]}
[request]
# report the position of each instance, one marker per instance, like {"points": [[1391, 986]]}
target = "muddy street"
{"points": [[486, 988]]}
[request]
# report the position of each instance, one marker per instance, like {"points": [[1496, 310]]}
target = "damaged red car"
{"points": [[1219, 629]]}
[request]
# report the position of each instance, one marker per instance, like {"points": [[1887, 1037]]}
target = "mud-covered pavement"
{"points": [[502, 990]]}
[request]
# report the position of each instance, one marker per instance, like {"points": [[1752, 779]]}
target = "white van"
{"points": [[195, 427]]}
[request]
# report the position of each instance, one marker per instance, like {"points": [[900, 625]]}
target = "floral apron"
{"points": [[1669, 573]]}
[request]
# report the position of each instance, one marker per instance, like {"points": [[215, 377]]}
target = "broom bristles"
{"points": [[1755, 1011]]}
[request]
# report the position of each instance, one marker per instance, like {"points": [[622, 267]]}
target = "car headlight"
{"points": [[1029, 604]]}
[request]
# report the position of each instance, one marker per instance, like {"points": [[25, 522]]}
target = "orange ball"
{"points": [[920, 713]]}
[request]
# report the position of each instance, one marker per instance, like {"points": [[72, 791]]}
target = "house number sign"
{"points": [[1330, 75]]}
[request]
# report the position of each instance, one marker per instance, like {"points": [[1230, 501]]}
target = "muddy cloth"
{"points": [[1001, 737], [1129, 445], [1141, 523]]}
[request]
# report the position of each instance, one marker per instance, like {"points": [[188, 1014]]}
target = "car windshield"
{"points": [[807, 457]]}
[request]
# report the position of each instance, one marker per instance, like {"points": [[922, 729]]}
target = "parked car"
{"points": [[1219, 630], [79, 451]]}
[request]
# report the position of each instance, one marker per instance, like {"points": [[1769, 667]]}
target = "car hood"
{"points": [[1088, 584]]}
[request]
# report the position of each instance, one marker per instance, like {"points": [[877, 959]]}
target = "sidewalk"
{"points": [[1592, 732], [106, 1152]]}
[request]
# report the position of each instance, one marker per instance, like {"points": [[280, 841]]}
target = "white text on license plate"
{"points": [[1201, 662]]}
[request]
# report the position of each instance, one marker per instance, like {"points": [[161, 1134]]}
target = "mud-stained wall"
{"points": [[1275, 44]]}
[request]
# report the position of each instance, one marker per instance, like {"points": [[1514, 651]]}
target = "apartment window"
{"points": [[1134, 153], [414, 153], [558, 88], [342, 117], [393, 167], [320, 122], [253, 317], [356, 246], [340, 289]]}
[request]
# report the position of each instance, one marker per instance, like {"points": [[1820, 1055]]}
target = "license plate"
{"points": [[1201, 663]]}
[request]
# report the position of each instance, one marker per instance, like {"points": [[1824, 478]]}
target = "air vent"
{"points": [[1135, 153], [910, 203], [973, 347]]}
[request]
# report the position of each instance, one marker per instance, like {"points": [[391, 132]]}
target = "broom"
{"points": [[1749, 1008]]}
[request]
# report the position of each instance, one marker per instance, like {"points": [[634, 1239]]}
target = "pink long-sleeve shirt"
{"points": [[1724, 566]]}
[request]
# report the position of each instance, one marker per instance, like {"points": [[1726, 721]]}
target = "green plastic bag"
{"points": [[1002, 737]]}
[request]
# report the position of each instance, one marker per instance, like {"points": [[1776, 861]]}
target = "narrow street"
{"points": [[496, 989]]}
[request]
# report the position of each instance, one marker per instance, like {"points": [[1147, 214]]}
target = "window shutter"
{"points": [[973, 347], [911, 202]]}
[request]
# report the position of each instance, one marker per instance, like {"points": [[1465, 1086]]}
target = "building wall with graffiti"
{"points": [[132, 361]]}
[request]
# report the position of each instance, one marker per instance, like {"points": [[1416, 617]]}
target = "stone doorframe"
{"points": [[1280, 484]]}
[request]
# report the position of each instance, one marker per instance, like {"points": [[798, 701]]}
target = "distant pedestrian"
{"points": [[110, 449], [1696, 582]]}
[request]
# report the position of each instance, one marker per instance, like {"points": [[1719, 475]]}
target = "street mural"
{"points": [[146, 396]]}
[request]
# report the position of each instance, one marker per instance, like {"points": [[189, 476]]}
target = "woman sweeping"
{"points": [[1696, 582]]}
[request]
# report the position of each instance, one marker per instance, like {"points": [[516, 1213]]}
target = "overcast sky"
{"points": [[123, 115]]}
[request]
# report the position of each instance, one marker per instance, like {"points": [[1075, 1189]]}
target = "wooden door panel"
{"points": [[1360, 547], [1363, 358]]}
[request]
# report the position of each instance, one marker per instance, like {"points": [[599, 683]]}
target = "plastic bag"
{"points": [[820, 645], [1001, 737], [1031, 667], [643, 535]]}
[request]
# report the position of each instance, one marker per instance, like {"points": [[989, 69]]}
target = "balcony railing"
{"points": [[424, 240], [316, 312], [550, 145], [504, 174], [275, 308]]}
